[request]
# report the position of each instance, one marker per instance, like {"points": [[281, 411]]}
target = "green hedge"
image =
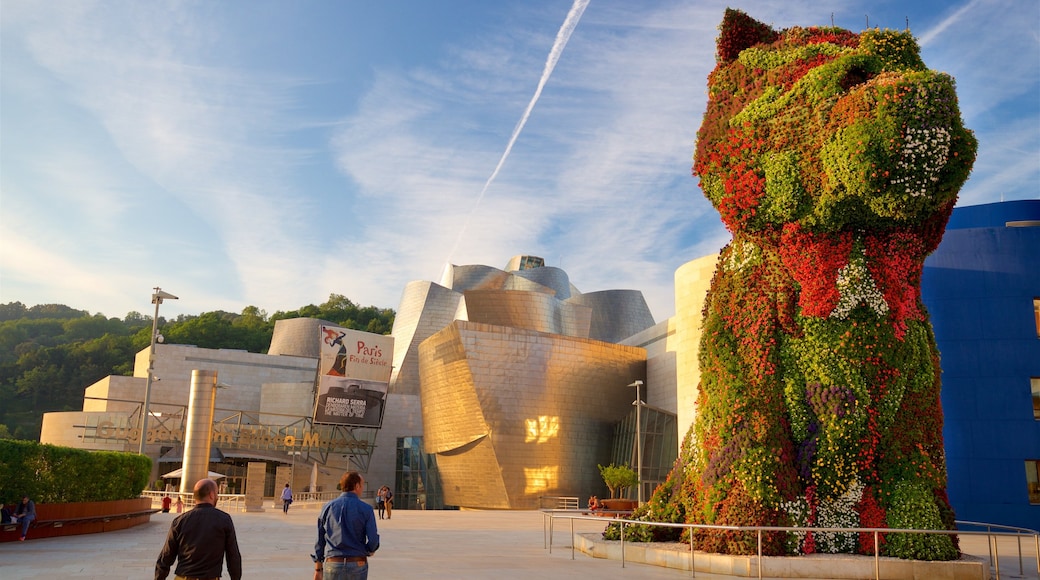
{"points": [[52, 474]]}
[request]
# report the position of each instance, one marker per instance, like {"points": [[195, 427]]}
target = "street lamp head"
{"points": [[637, 383], [159, 295]]}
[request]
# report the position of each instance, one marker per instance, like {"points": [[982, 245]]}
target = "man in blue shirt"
{"points": [[347, 534]]}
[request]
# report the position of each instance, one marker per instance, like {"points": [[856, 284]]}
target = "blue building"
{"points": [[982, 289]]}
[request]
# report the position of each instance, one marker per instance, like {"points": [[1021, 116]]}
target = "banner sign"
{"points": [[353, 377]]}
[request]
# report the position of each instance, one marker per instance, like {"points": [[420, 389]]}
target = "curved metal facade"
{"points": [[528, 310], [616, 314], [515, 414], [519, 379], [297, 337], [550, 277]]}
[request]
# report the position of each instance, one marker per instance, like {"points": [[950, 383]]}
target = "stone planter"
{"points": [[619, 504]]}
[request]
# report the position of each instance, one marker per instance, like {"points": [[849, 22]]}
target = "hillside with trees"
{"points": [[50, 353]]}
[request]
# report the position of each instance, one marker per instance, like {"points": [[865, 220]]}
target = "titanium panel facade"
{"points": [[514, 414], [425, 308], [297, 337], [616, 314], [528, 310]]}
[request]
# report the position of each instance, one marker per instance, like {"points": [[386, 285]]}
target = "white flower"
{"points": [[742, 253], [924, 154], [856, 286], [839, 513]]}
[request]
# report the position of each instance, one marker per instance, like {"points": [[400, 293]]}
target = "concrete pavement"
{"points": [[503, 545]]}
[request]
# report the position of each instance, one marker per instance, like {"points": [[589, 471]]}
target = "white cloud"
{"points": [[188, 164]]}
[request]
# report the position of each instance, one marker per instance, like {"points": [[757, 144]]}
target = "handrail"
{"points": [[994, 553], [991, 536], [1026, 531], [226, 501], [237, 501], [558, 502], [314, 496]]}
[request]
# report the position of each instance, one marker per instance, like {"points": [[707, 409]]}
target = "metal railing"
{"points": [[994, 554], [316, 496], [231, 502], [558, 502], [550, 515]]}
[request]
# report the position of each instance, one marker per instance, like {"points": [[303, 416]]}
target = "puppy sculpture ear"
{"points": [[739, 31]]}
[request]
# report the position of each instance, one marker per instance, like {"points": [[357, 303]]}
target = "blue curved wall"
{"points": [[979, 287]]}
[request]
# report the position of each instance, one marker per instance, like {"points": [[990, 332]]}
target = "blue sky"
{"points": [[270, 153]]}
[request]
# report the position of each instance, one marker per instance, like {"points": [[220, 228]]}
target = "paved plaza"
{"points": [[500, 545]]}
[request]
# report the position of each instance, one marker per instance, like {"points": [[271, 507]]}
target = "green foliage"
{"points": [[618, 478], [914, 507], [52, 474], [898, 50], [50, 353], [666, 505]]}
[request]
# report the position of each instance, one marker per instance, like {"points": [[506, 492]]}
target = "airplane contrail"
{"points": [[550, 63]]}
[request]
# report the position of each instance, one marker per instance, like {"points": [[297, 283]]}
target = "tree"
{"points": [[618, 478], [49, 353]]}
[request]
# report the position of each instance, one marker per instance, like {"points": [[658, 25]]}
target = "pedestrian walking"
{"points": [[200, 540], [286, 498], [347, 534]]}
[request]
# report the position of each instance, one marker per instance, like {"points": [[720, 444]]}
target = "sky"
{"points": [[271, 153]]}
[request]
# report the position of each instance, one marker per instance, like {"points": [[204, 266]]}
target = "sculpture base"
{"points": [[815, 566]]}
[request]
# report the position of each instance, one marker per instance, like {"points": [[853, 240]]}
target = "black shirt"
{"points": [[199, 539]]}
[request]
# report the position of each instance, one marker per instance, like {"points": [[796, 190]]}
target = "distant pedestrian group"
{"points": [[385, 502]]}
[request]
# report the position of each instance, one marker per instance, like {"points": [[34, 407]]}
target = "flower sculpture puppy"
{"points": [[834, 160]]}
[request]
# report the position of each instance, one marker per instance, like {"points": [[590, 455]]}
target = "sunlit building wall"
{"points": [[537, 307], [515, 414]]}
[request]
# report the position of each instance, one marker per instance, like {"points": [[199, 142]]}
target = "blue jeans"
{"points": [[345, 571]]}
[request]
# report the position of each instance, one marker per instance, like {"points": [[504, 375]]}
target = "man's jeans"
{"points": [[345, 571]]}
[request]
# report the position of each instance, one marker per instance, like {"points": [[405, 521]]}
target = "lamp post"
{"points": [[639, 441], [157, 297]]}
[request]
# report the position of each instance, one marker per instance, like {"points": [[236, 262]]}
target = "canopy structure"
{"points": [[177, 473]]}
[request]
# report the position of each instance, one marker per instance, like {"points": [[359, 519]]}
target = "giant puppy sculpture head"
{"points": [[829, 130]]}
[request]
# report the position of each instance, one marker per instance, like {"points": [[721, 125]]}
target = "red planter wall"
{"points": [[70, 519]]}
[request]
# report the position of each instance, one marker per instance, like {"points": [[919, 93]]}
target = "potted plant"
{"points": [[618, 478]]}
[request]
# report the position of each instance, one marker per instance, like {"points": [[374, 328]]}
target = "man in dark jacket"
{"points": [[200, 539]]}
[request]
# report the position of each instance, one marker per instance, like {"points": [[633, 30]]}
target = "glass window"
{"points": [[417, 480], [1036, 315], [1035, 384], [1033, 480]]}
